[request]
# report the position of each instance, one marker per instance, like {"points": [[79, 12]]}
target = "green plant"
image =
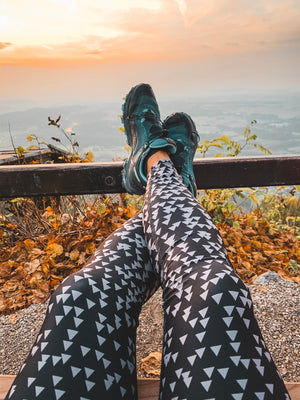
{"points": [[72, 150], [282, 208], [230, 147], [223, 204], [293, 267], [134, 200], [40, 144], [20, 150]]}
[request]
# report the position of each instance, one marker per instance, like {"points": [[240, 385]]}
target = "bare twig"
{"points": [[12, 142]]}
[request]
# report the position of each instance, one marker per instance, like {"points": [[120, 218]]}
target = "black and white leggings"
{"points": [[212, 345]]}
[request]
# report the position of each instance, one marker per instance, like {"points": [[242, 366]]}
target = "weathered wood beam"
{"points": [[60, 179], [148, 389], [92, 178], [234, 172]]}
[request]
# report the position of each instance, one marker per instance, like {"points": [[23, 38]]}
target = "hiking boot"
{"points": [[145, 135], [182, 130]]}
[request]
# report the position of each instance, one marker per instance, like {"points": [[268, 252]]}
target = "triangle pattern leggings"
{"points": [[213, 348]]}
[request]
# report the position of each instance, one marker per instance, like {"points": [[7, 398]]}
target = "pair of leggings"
{"points": [[212, 345]]}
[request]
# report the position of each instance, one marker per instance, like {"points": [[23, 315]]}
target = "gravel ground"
{"points": [[277, 308]]}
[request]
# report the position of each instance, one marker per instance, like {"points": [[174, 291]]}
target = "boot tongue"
{"points": [[162, 143]]}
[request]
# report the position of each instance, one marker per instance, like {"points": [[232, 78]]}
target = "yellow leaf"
{"points": [[89, 156], [216, 145], [46, 267], [33, 147], [253, 198], [101, 209], [20, 151], [54, 250], [74, 255], [236, 224], [17, 199], [225, 139]]}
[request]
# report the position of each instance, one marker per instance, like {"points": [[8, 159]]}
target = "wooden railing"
{"points": [[148, 389], [91, 178]]}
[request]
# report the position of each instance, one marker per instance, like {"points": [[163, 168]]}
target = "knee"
{"points": [[226, 281], [74, 287], [215, 279], [227, 289]]}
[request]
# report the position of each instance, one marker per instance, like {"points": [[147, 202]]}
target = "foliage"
{"points": [[282, 208], [255, 246], [230, 147], [40, 247], [72, 154], [222, 204], [266, 238], [71, 149], [38, 146]]}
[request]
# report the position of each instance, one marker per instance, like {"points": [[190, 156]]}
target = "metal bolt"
{"points": [[109, 180]]}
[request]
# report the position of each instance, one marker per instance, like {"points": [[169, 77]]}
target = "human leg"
{"points": [[213, 348], [86, 347]]}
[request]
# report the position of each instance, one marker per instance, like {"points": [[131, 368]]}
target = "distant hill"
{"points": [[96, 124]]}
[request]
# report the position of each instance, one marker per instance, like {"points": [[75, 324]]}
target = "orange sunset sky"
{"points": [[86, 49]]}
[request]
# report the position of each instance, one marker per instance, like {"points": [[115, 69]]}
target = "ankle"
{"points": [[157, 156]]}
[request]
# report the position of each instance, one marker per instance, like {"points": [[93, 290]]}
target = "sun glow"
{"points": [[68, 32]]}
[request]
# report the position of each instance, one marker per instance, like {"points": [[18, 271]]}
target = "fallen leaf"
{"points": [[54, 250], [151, 364], [29, 244], [74, 255], [31, 267]]}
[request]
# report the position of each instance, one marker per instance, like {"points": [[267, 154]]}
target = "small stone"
{"points": [[267, 277]]}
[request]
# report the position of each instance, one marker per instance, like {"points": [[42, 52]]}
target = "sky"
{"points": [[67, 51]]}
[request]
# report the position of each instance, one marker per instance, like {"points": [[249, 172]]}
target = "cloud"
{"points": [[4, 45], [94, 52], [169, 30]]}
